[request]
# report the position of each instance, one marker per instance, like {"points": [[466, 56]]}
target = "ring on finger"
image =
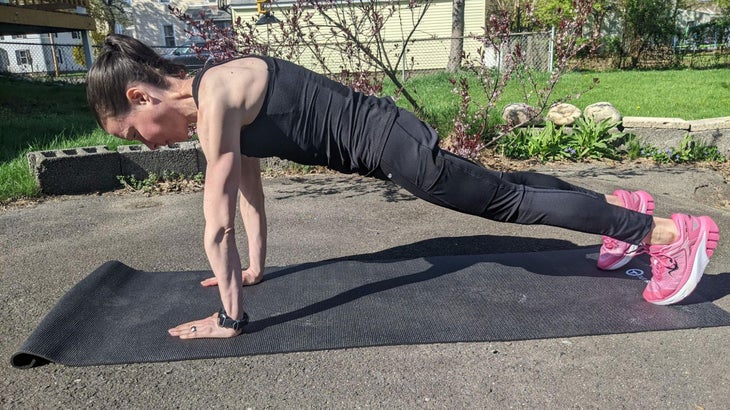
{"points": [[193, 329]]}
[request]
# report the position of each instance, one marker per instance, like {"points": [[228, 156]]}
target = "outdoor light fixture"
{"points": [[264, 9]]}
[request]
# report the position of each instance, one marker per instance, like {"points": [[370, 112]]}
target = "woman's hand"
{"points": [[204, 328], [248, 278]]}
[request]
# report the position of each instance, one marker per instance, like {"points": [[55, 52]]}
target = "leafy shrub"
{"points": [[590, 140], [594, 140], [547, 143], [587, 140]]}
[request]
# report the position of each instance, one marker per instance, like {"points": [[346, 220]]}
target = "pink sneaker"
{"points": [[677, 268], [614, 253]]}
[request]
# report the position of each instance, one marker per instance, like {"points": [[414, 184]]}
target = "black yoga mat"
{"points": [[120, 315]]}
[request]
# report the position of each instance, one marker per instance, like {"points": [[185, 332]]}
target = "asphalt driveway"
{"points": [[47, 248]]}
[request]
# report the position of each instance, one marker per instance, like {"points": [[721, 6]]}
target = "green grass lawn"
{"points": [[36, 116], [686, 94], [39, 116]]}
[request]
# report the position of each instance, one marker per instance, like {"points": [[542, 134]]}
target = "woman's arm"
{"points": [[253, 214], [254, 218], [220, 119], [223, 174]]}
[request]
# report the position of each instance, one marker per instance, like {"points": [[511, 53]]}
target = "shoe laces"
{"points": [[661, 264], [610, 243]]}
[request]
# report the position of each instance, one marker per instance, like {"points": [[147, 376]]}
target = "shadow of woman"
{"points": [[553, 258]]}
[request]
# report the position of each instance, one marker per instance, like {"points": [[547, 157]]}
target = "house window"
{"points": [[59, 56], [15, 36], [222, 24], [164, 1], [75, 34], [169, 34], [23, 57]]}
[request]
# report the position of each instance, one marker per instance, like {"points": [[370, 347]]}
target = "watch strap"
{"points": [[225, 321]]}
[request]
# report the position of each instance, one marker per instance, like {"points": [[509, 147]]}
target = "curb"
{"points": [[669, 132], [92, 169], [76, 170]]}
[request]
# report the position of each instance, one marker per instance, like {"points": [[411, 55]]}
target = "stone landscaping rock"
{"points": [[602, 111], [563, 114], [521, 114]]}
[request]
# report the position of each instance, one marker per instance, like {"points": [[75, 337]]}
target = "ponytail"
{"points": [[123, 61]]}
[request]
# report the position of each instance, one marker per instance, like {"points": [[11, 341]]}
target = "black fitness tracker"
{"points": [[225, 321]]}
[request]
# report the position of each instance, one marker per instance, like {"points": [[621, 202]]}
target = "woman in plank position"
{"points": [[252, 107]]}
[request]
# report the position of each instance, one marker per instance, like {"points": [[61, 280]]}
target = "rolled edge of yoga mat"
{"points": [[32, 353]]}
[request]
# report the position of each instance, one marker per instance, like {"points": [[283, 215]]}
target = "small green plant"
{"points": [[692, 151], [590, 140], [167, 182], [593, 140], [514, 144], [587, 140], [633, 148], [689, 150], [133, 184], [199, 178], [300, 168], [547, 143]]}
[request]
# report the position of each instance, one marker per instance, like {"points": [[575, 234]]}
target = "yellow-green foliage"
{"points": [[78, 51]]}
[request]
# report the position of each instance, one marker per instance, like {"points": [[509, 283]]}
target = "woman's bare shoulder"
{"points": [[236, 83]]}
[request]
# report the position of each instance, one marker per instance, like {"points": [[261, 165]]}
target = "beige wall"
{"points": [[430, 43], [149, 17]]}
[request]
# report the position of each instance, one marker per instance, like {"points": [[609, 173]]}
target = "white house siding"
{"points": [[430, 43], [150, 16], [34, 54], [689, 18]]}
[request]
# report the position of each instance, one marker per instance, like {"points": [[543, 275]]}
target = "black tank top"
{"points": [[312, 120]]}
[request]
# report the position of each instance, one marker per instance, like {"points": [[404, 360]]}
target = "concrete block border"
{"points": [[140, 161], [668, 132], [75, 170], [91, 169]]}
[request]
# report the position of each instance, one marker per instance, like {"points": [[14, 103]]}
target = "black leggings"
{"points": [[413, 160]]}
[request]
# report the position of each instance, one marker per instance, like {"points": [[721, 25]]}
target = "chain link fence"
{"points": [[40, 58], [423, 55], [426, 55], [37, 58], [47, 59]]}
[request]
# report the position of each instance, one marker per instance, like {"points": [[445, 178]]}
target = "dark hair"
{"points": [[123, 61]]}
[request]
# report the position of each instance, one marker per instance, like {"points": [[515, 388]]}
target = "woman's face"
{"points": [[152, 121]]}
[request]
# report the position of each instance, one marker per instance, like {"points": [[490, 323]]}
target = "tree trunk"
{"points": [[457, 36]]}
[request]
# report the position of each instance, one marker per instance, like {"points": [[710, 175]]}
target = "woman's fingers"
{"points": [[204, 328]]}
